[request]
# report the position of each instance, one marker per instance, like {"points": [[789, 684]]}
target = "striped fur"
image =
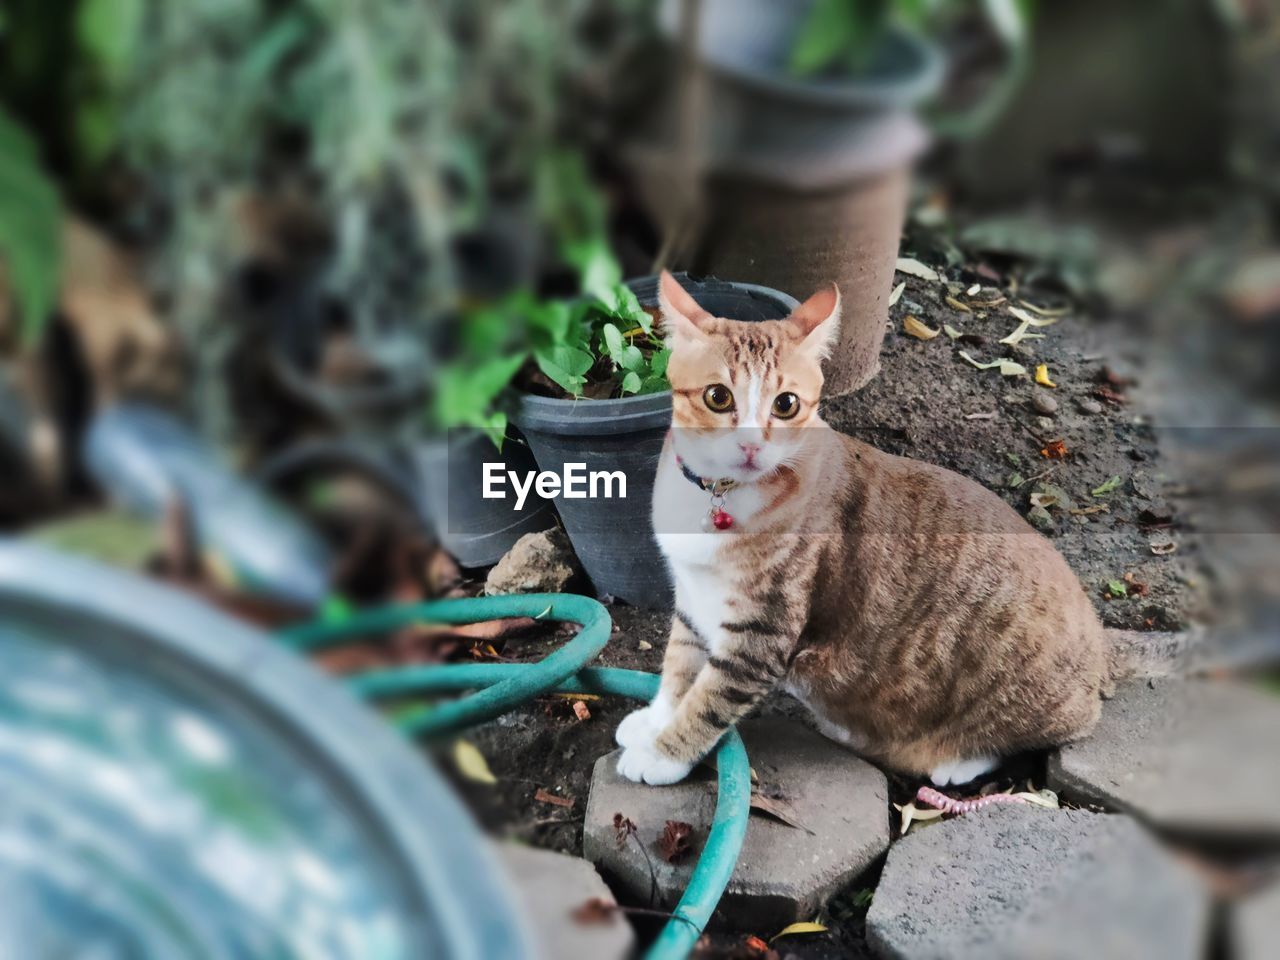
{"points": [[921, 620]]}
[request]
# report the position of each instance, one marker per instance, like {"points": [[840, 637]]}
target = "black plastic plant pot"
{"points": [[177, 786], [613, 538], [450, 475]]}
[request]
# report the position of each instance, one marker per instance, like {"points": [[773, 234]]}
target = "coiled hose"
{"points": [[500, 687]]}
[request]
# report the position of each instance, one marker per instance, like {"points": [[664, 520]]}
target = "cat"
{"points": [[920, 619]]}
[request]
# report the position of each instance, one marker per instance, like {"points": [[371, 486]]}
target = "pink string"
{"points": [[940, 801]]}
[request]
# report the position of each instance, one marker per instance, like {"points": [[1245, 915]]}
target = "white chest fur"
{"points": [[700, 561]]}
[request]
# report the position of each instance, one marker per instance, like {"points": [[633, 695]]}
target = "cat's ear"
{"points": [[681, 315], [819, 320]]}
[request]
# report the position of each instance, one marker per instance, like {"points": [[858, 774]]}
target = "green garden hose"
{"points": [[502, 686]]}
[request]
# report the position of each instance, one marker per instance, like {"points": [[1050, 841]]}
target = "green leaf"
{"points": [[30, 228], [825, 34], [658, 362], [465, 393], [601, 275], [629, 307], [566, 366], [1117, 588], [631, 358], [109, 30], [613, 341], [654, 385], [631, 383], [1108, 486]]}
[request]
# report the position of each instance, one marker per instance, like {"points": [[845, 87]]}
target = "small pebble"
{"points": [[1044, 403], [1090, 406], [1045, 424]]}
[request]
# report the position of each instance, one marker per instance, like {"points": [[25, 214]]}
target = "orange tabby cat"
{"points": [[922, 621]]}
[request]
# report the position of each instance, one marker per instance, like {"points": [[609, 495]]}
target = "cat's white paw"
{"points": [[962, 771], [643, 726], [644, 764]]}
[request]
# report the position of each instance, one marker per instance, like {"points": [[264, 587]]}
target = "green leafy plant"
{"points": [[30, 228]]}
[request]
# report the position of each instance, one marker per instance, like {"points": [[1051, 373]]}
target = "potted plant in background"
{"points": [[807, 113]]}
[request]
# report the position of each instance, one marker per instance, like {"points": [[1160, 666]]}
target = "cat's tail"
{"points": [[1145, 654]]}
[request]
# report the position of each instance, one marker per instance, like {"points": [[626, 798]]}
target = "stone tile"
{"points": [[551, 886], [1018, 881], [1254, 926], [1195, 757], [784, 873]]}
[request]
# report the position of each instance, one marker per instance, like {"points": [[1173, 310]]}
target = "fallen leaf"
{"points": [[1054, 312], [780, 809], [623, 827], [1042, 376], [864, 897], [644, 645], [676, 841], [1007, 367], [1107, 486], [1024, 317], [913, 327], [911, 813], [804, 926], [546, 796], [471, 763], [1117, 588], [955, 304], [1162, 549], [1054, 450], [914, 268], [1021, 334], [597, 910], [951, 331], [580, 710], [897, 293], [1089, 511]]}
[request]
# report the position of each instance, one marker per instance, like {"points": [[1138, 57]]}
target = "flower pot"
{"points": [[613, 538], [805, 179], [450, 483]]}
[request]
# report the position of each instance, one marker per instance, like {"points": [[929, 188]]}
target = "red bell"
{"points": [[721, 520]]}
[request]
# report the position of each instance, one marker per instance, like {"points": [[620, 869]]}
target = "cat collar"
{"points": [[717, 517]]}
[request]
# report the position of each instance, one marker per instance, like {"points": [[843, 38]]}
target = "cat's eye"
{"points": [[786, 405], [718, 397]]}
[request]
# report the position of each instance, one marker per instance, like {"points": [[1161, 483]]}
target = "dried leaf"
{"points": [[1042, 376], [644, 645], [1007, 367], [1054, 312], [623, 827], [780, 809], [897, 293], [951, 331], [580, 710], [546, 796], [1054, 450], [676, 841], [1163, 549], [914, 328], [1107, 486], [471, 763], [1024, 317], [911, 813], [804, 926], [1021, 334], [914, 268], [955, 304]]}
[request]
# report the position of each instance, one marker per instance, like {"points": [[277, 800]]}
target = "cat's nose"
{"points": [[749, 450]]}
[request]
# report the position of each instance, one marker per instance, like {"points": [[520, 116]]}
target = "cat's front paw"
{"points": [[643, 726], [644, 764]]}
